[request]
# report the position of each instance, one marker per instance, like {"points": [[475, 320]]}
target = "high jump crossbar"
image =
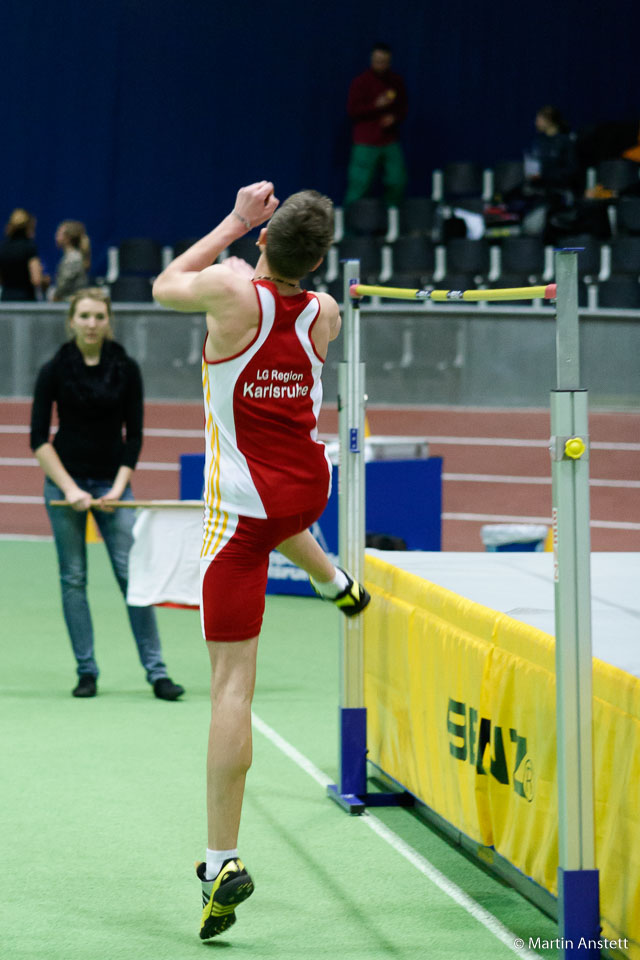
{"points": [[548, 292], [578, 884]]}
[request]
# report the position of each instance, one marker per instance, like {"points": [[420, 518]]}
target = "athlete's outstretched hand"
{"points": [[256, 203]]}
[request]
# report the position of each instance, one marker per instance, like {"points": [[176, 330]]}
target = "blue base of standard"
{"points": [[356, 804], [579, 913]]}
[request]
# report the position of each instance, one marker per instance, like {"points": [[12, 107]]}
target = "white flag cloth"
{"points": [[164, 563]]}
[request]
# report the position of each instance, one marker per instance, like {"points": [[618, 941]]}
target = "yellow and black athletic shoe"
{"points": [[221, 896], [352, 600]]}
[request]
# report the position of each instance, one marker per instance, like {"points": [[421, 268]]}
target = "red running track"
{"points": [[496, 466]]}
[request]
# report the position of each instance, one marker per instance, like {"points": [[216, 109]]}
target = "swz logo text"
{"points": [[469, 739]]}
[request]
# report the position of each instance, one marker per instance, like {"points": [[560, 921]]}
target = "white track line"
{"points": [[174, 432], [513, 442], [17, 498], [18, 537], [545, 481], [455, 441], [493, 518], [160, 466], [452, 890]]}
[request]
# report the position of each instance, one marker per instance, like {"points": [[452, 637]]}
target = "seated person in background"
{"points": [[71, 274], [551, 173], [20, 265], [551, 164]]}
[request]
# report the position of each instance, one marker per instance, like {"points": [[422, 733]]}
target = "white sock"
{"points": [[215, 859], [333, 587]]}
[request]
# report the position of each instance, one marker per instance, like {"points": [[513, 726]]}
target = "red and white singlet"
{"points": [[263, 456]]}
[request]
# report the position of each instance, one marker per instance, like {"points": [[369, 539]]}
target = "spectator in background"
{"points": [[97, 389], [377, 106], [552, 163], [71, 274], [551, 177], [20, 265]]}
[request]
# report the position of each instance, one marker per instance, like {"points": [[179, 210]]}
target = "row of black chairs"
{"points": [[424, 216], [413, 262], [468, 179]]}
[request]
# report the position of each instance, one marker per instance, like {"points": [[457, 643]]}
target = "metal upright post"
{"points": [[351, 501], [579, 914]]}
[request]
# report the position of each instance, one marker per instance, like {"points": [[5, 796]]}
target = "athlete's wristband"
{"points": [[242, 219]]}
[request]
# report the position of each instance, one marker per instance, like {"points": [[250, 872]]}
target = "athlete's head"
{"points": [[299, 234]]}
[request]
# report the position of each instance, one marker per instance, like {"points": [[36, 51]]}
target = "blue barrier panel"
{"points": [[404, 499]]}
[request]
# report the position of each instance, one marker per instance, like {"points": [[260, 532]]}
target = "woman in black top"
{"points": [[20, 266], [97, 389]]}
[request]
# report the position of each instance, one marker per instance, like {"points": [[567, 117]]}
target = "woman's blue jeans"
{"points": [[69, 528]]}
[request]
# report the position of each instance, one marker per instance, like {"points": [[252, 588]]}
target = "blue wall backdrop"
{"points": [[142, 117]]}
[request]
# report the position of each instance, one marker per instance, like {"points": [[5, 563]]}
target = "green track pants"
{"points": [[363, 166]]}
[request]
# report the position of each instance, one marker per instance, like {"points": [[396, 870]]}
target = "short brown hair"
{"points": [[299, 234]]}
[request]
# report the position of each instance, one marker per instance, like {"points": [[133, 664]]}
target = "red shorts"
{"points": [[233, 580]]}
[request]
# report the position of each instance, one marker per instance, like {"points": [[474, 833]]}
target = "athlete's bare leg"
{"points": [[307, 553], [233, 676]]}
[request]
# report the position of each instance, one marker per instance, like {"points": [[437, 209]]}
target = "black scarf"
{"points": [[95, 393]]}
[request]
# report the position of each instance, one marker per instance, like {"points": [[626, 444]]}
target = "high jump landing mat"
{"points": [[459, 682]]}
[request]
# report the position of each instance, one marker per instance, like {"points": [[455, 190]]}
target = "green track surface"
{"points": [[102, 804]]}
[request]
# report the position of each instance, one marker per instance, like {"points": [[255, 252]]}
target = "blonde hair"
{"points": [[20, 221], [76, 234], [90, 293]]}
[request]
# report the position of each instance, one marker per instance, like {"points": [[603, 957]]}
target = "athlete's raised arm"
{"points": [[190, 283]]}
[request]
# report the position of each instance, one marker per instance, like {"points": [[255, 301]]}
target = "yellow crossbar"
{"points": [[547, 292]]}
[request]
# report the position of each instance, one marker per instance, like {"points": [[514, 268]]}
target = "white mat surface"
{"points": [[521, 585]]}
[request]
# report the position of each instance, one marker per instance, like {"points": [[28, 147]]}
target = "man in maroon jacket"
{"points": [[377, 105]]}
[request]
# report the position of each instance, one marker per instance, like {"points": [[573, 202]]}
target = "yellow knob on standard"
{"points": [[575, 447]]}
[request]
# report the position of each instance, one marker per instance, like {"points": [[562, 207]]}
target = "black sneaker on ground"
{"points": [[221, 896], [86, 686], [352, 600], [165, 689]]}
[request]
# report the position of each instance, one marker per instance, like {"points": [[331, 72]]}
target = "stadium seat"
{"points": [[413, 262], [462, 180], [619, 291], [629, 215], [625, 255], [470, 257], [131, 290], [368, 251], [521, 261], [139, 256], [366, 217], [588, 257], [183, 245], [507, 177], [617, 175], [417, 217]]}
